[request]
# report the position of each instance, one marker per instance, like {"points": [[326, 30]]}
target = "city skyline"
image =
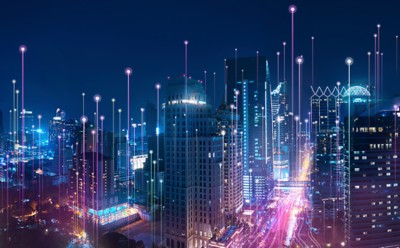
{"points": [[200, 125]]}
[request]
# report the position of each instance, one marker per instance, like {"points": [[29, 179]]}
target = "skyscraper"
{"points": [[59, 126], [281, 133], [327, 177], [193, 167], [228, 126], [327, 135], [248, 88], [372, 217]]}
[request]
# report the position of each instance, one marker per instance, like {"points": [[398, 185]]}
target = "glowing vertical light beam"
{"points": [[397, 55], [214, 90], [205, 85], [277, 66], [10, 131], [299, 61], [349, 62], [14, 114], [381, 71], [83, 103], [142, 130], [113, 131], [292, 10], [235, 65], [22, 49], [59, 177], [256, 69], [84, 120], [375, 69], [378, 59], [226, 83], [40, 187], [97, 99], [312, 60], [284, 61], [158, 87], [369, 70], [128, 72], [7, 205], [395, 142]]}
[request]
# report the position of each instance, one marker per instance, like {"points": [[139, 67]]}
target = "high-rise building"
{"points": [[25, 134], [193, 167], [248, 87], [63, 134], [327, 134], [59, 126], [281, 135], [123, 168], [228, 125], [92, 188], [327, 175], [98, 177], [151, 168], [326, 108], [372, 217]]}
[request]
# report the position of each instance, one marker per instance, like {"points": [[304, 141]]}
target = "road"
{"points": [[285, 221]]}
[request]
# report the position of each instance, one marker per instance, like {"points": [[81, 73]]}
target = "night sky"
{"points": [[84, 46]]}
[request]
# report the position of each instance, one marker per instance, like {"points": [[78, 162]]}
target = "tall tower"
{"points": [[281, 135], [193, 167], [232, 164], [327, 178], [371, 174], [250, 77]]}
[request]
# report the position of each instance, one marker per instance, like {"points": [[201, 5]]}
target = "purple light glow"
{"points": [[128, 71], [299, 60], [292, 9], [349, 61], [22, 48], [97, 98]]}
